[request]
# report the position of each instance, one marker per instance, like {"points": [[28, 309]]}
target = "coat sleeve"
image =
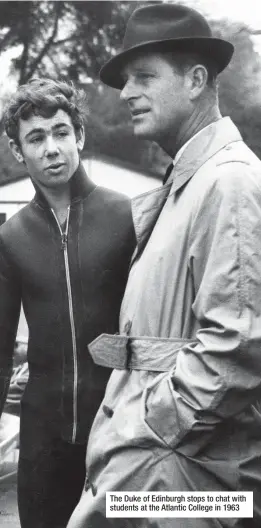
{"points": [[10, 302], [219, 374]]}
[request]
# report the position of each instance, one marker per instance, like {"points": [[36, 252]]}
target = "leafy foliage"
{"points": [[240, 95], [62, 38], [74, 39]]}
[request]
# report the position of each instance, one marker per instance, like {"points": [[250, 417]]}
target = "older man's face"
{"points": [[157, 95]]}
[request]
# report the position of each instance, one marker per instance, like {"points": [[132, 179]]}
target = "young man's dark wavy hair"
{"points": [[44, 97]]}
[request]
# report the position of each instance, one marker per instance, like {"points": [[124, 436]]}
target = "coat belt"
{"points": [[136, 353]]}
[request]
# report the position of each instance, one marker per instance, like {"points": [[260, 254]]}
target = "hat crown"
{"points": [[164, 28], [163, 22]]}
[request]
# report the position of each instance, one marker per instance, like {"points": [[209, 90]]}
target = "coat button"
{"points": [[94, 489], [127, 327], [107, 411], [89, 485]]}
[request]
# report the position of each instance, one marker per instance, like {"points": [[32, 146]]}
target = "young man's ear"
{"points": [[16, 151], [80, 138]]}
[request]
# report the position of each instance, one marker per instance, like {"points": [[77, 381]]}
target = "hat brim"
{"points": [[218, 50]]}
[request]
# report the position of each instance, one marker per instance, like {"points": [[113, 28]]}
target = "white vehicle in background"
{"points": [[10, 421]]}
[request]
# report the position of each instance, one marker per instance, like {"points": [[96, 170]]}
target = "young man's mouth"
{"points": [[55, 167]]}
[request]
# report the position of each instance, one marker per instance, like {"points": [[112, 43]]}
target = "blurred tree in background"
{"points": [[72, 40], [240, 84]]}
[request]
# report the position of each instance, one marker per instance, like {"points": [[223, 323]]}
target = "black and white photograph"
{"points": [[130, 264]]}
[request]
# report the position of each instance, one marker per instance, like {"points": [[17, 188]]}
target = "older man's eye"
{"points": [[145, 74], [144, 77]]}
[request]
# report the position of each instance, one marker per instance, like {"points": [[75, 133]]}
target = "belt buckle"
{"points": [[129, 353], [127, 329]]}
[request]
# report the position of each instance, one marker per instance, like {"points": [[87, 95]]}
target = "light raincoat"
{"points": [[181, 410]]}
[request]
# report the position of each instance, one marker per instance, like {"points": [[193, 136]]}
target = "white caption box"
{"points": [[199, 504]]}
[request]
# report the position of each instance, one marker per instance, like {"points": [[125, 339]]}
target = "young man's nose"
{"points": [[51, 147]]}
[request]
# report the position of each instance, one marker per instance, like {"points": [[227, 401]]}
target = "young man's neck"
{"points": [[58, 200]]}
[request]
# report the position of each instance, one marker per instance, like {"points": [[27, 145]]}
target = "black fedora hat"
{"points": [[166, 27]]}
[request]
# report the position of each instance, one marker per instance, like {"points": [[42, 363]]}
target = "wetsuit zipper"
{"points": [[64, 237]]}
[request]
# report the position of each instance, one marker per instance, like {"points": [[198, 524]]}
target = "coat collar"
{"points": [[147, 207], [200, 149], [80, 185]]}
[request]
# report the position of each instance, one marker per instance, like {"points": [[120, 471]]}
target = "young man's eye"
{"points": [[36, 139], [62, 133]]}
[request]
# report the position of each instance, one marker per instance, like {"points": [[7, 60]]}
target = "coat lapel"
{"points": [[146, 209]]}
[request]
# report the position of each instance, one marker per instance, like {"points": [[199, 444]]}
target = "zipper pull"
{"points": [[64, 241]]}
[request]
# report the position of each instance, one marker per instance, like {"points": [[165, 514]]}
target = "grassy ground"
{"points": [[8, 499]]}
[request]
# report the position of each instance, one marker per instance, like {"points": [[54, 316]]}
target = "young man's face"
{"points": [[157, 97], [50, 149]]}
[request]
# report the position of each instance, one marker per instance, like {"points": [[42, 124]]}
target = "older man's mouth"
{"points": [[139, 112]]}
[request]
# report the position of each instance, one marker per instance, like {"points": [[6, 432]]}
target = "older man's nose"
{"points": [[129, 91]]}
